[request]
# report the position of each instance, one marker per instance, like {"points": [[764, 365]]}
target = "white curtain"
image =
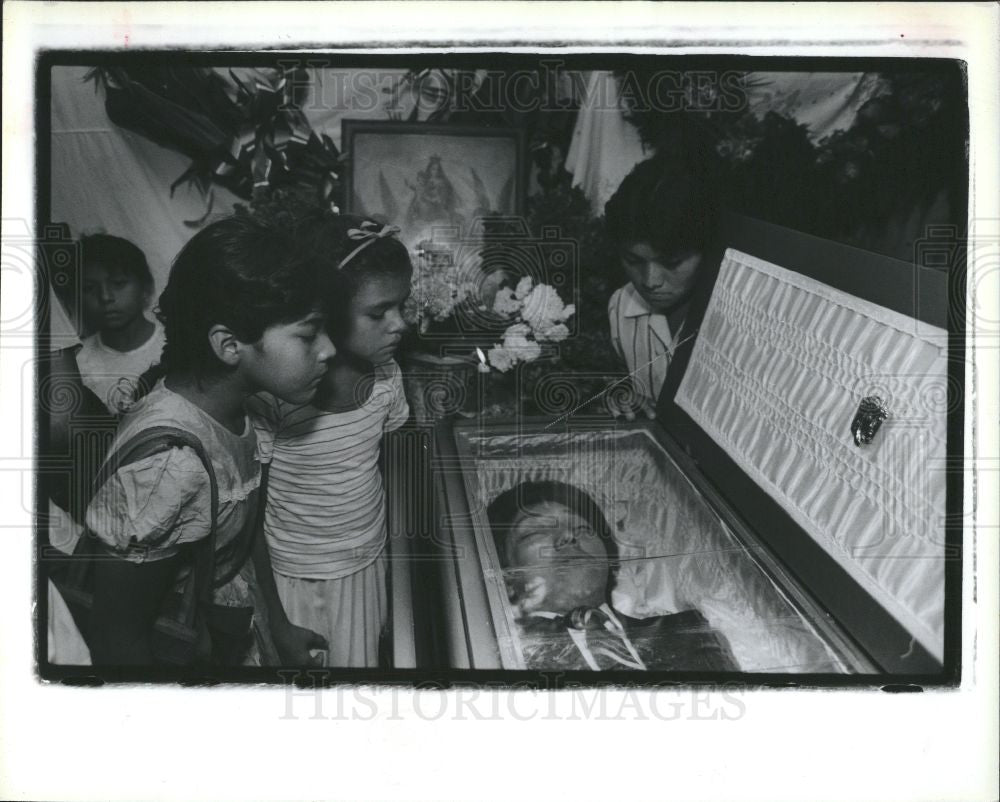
{"points": [[605, 147], [107, 179], [824, 102]]}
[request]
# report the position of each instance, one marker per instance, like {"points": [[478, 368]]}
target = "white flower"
{"points": [[523, 288], [411, 310], [516, 335], [506, 303], [530, 351], [501, 359], [554, 332], [515, 341], [543, 308], [436, 291]]}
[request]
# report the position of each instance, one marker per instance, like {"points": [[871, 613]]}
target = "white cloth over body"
{"points": [[780, 366], [325, 513], [113, 375]]}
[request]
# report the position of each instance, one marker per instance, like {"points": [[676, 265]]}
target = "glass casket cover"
{"points": [[676, 556]]}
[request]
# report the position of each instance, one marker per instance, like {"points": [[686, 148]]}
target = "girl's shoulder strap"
{"points": [[154, 440]]}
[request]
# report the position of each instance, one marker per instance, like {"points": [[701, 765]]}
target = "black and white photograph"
{"points": [[743, 438], [377, 373]]}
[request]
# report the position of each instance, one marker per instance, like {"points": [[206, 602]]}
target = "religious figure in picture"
{"points": [[434, 198], [560, 564], [438, 198]]}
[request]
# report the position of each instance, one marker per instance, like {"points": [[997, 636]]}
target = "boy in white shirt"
{"points": [[117, 287], [660, 220]]}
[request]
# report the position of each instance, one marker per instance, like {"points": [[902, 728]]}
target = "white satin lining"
{"points": [[781, 364]]}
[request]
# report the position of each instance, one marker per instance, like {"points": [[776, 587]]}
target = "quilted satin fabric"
{"points": [[777, 374], [676, 553]]}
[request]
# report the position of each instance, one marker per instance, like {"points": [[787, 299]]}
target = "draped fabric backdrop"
{"points": [[107, 179], [605, 147]]}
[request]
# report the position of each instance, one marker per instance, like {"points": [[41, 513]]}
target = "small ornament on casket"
{"points": [[867, 420]]}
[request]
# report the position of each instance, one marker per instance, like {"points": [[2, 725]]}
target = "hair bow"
{"points": [[368, 232]]}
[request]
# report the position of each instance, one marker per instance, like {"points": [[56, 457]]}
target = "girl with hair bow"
{"points": [[324, 519]]}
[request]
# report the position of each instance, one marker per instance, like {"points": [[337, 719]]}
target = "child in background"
{"points": [[117, 287], [660, 220], [324, 519], [240, 317]]}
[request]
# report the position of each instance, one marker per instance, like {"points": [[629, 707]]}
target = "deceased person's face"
{"points": [[556, 559]]}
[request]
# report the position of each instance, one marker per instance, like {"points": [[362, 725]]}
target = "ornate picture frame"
{"points": [[426, 178]]}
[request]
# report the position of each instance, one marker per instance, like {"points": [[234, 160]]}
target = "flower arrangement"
{"points": [[440, 284], [540, 316], [444, 288]]}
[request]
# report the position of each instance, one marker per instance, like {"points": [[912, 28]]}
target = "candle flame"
{"points": [[483, 366]]}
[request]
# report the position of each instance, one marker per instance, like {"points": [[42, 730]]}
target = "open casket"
{"points": [[808, 538]]}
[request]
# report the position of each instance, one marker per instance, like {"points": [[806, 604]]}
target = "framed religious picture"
{"points": [[433, 181]]}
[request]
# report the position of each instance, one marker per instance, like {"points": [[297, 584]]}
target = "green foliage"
{"points": [[241, 134], [281, 206], [905, 149]]}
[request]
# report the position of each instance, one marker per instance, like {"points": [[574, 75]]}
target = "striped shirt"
{"points": [[643, 339], [325, 513]]}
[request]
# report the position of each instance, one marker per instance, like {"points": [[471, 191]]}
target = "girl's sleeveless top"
{"points": [[151, 507]]}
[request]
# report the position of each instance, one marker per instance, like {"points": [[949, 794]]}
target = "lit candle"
{"points": [[482, 376], [483, 366]]}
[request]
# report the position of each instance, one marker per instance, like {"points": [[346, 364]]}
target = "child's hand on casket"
{"points": [[296, 645]]}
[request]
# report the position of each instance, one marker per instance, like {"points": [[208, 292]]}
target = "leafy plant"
{"points": [[245, 134], [905, 149]]}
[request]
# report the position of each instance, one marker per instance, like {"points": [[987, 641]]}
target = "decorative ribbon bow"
{"points": [[368, 232]]}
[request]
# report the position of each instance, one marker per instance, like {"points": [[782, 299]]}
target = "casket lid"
{"points": [[797, 334]]}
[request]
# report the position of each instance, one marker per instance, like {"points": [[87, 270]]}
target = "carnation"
{"points": [[555, 332], [500, 358], [506, 303], [515, 341], [543, 307], [541, 314]]}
